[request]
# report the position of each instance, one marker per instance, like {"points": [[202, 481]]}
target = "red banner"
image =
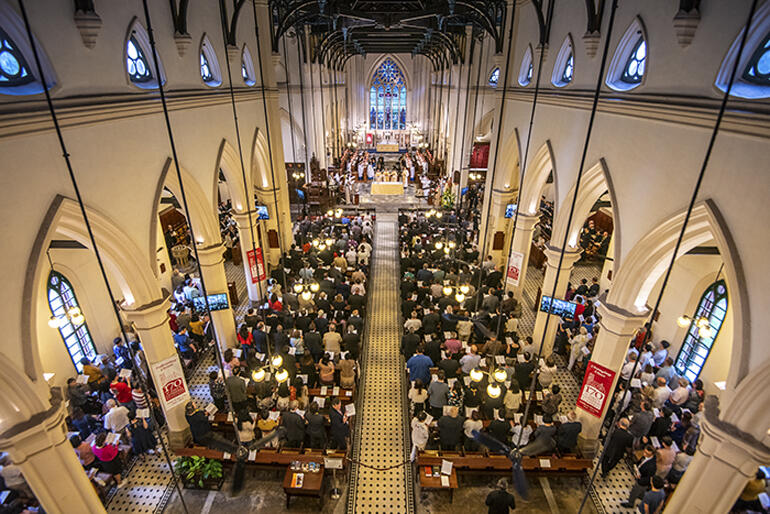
{"points": [[256, 265], [597, 387]]}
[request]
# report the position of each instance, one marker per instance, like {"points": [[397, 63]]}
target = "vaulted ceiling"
{"points": [[333, 30]]}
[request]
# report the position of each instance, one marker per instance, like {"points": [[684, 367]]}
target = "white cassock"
{"points": [[411, 171], [360, 171], [370, 171]]}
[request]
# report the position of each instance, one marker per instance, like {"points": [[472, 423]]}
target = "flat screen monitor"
{"points": [[510, 210], [262, 213], [561, 308], [217, 302]]}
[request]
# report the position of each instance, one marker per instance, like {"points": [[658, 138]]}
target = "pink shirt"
{"points": [[106, 453]]}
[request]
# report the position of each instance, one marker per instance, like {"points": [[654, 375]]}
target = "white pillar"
{"points": [[39, 447], [151, 325], [246, 227], [522, 243], [552, 265], [726, 459], [617, 328], [213, 271]]}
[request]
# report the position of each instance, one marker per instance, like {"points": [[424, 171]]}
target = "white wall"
{"points": [[690, 277], [79, 266]]}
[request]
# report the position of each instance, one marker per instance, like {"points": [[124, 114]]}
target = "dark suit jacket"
{"points": [[316, 424], [295, 426], [567, 434], [499, 502], [646, 471], [450, 430], [430, 323], [620, 440], [313, 344], [339, 430]]}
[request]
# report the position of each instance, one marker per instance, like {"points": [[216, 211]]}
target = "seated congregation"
{"points": [[289, 380], [473, 369]]}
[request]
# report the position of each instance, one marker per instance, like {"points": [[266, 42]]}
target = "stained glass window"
{"points": [[13, 68], [494, 77], [387, 97], [136, 63], [569, 69], [77, 339], [206, 74], [634, 70], [758, 69], [695, 348]]}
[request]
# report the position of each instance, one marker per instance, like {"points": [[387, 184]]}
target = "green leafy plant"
{"points": [[196, 470]]}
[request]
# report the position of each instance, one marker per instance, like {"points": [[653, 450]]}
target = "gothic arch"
{"points": [[595, 182], [510, 160], [202, 218], [401, 65], [260, 163], [299, 134], [229, 162], [135, 280], [535, 178], [648, 259]]}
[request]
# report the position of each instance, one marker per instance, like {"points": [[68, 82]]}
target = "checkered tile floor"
{"points": [[613, 490], [149, 481]]}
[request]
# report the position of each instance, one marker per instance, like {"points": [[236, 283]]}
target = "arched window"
{"points": [[564, 68], [209, 64], [634, 70], [18, 69], [758, 69], [136, 63], [140, 64], [695, 348], [753, 77], [525, 72], [629, 62], [247, 67], [387, 97], [14, 70], [77, 338], [494, 77], [569, 68]]}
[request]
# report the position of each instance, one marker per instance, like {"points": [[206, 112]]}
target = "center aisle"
{"points": [[380, 438]]}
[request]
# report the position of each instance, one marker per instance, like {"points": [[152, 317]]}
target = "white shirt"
{"points": [[470, 425], [659, 356], [116, 419], [660, 395], [419, 434], [628, 368]]}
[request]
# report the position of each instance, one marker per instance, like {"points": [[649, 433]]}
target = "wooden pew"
{"points": [[478, 462]]}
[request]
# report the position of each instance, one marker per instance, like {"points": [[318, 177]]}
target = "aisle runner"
{"points": [[380, 432]]}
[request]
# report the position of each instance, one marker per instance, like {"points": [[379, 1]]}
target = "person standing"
{"points": [[644, 471], [620, 440], [652, 501], [500, 501]]}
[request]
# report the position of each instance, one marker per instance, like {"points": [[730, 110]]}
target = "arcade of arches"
{"points": [[359, 252]]}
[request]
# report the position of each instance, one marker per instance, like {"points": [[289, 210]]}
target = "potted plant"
{"points": [[199, 472]]}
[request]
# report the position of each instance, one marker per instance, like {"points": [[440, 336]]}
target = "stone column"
{"points": [[213, 270], [552, 264], [726, 459], [497, 221], [617, 328], [246, 227], [522, 243], [151, 324], [48, 462]]}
